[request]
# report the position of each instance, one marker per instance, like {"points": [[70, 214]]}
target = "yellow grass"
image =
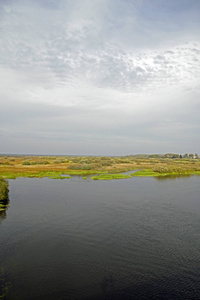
{"points": [[52, 166]]}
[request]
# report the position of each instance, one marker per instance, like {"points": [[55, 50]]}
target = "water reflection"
{"points": [[126, 239], [172, 176], [4, 285], [3, 208]]}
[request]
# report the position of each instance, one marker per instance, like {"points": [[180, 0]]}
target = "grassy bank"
{"points": [[110, 176], [3, 194], [3, 189], [64, 167], [166, 172]]}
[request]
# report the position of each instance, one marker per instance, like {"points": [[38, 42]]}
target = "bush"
{"points": [[79, 167], [44, 162], [75, 167], [161, 170], [26, 163], [3, 189], [170, 169], [105, 163]]}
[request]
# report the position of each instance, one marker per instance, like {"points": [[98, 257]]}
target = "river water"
{"points": [[76, 238]]}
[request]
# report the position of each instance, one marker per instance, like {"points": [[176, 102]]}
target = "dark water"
{"points": [[137, 238]]}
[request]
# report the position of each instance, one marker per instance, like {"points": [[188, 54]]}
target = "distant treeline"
{"points": [[167, 155]]}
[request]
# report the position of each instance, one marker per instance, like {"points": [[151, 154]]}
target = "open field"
{"points": [[58, 167]]}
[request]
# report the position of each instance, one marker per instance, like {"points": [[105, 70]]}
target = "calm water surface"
{"points": [[137, 238]]}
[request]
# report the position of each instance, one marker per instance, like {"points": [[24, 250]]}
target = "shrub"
{"points": [[75, 167], [44, 162], [159, 169], [79, 167], [26, 163], [3, 189], [105, 163]]}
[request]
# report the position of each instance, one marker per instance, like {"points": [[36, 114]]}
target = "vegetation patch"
{"points": [[12, 167], [3, 189], [3, 194], [110, 176], [60, 177], [165, 172], [146, 172]]}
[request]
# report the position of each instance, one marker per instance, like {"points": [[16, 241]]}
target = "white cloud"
{"points": [[104, 68]]}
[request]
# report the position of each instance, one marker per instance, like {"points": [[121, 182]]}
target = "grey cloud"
{"points": [[99, 71]]}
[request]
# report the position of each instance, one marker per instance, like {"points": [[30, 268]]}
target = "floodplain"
{"points": [[63, 167]]}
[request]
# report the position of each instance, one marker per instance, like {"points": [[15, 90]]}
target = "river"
{"points": [[81, 239]]}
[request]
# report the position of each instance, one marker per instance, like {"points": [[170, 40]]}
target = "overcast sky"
{"points": [[101, 77]]}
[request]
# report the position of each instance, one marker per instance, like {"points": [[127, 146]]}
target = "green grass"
{"points": [[100, 176], [3, 190], [53, 167], [110, 176], [146, 172], [60, 177], [3, 194], [51, 174], [3, 206], [151, 173]]}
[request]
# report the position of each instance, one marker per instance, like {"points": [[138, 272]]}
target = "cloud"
{"points": [[99, 72]]}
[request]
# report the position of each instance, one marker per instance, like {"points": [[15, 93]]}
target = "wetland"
{"points": [[130, 234], [56, 167]]}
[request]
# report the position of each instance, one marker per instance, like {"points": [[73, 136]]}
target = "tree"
{"points": [[175, 156], [191, 155], [171, 155]]}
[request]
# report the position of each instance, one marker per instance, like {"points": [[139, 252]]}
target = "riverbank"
{"points": [[3, 189], [3, 194]]}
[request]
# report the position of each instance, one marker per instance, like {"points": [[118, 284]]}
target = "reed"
{"points": [[110, 176], [12, 167]]}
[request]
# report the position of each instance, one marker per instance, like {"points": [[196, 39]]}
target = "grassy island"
{"points": [[101, 167], [110, 176]]}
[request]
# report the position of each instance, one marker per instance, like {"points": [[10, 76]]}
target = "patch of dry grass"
{"points": [[40, 166]]}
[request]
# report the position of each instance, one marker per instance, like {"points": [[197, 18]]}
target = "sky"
{"points": [[99, 77]]}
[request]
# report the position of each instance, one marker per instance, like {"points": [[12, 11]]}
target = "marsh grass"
{"points": [[146, 172], [110, 176], [54, 167], [169, 172], [3, 190], [60, 177]]}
